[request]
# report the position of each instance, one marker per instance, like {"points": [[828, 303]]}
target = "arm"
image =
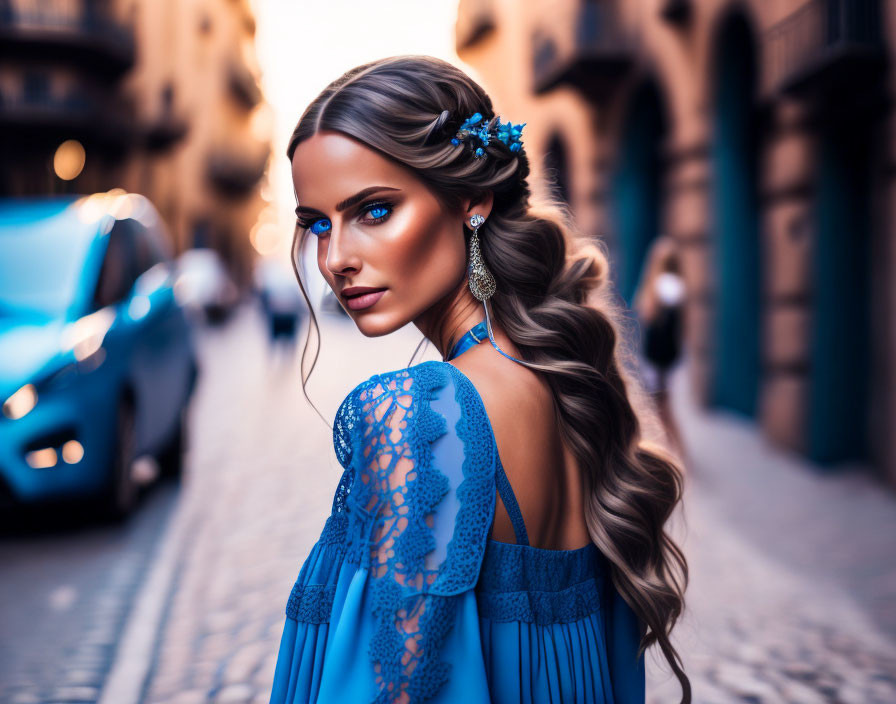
{"points": [[427, 500], [401, 491]]}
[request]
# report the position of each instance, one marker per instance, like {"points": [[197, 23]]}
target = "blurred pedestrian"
{"points": [[659, 303], [431, 581], [281, 301]]}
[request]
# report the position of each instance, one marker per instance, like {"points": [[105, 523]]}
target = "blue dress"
{"points": [[406, 598]]}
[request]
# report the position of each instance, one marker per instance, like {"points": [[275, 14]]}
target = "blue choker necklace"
{"points": [[472, 337]]}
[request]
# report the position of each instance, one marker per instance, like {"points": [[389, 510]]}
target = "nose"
{"points": [[341, 253]]}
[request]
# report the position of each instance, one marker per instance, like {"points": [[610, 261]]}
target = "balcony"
{"points": [[243, 85], [89, 37], [165, 131], [826, 48], [81, 113], [475, 21], [235, 174], [168, 126], [594, 55]]}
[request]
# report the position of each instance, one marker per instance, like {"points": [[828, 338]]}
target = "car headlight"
{"points": [[21, 402], [85, 336]]}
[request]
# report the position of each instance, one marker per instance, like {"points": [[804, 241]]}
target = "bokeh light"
{"points": [[68, 162]]}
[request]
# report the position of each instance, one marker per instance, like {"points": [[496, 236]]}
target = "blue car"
{"points": [[97, 362]]}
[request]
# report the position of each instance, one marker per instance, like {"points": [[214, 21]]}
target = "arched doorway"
{"points": [[841, 298], [637, 185], [734, 202]]}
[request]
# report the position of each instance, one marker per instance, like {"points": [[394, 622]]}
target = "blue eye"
{"points": [[378, 212], [320, 227]]}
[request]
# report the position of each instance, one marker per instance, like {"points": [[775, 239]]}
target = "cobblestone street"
{"points": [[793, 576]]}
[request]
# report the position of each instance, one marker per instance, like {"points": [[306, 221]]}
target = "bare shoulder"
{"points": [[505, 386], [520, 407], [542, 472]]}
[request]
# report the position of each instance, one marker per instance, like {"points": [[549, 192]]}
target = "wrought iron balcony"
{"points": [[595, 59], [235, 174], [89, 36], [826, 47]]}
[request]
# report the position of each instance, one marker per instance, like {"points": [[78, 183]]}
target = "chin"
{"points": [[372, 325]]}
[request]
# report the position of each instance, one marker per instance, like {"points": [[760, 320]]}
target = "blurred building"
{"points": [[159, 97], [760, 135]]}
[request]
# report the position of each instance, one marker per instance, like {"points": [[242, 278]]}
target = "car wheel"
{"points": [[121, 494], [171, 457]]}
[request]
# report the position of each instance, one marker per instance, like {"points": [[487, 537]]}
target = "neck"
{"points": [[448, 320]]}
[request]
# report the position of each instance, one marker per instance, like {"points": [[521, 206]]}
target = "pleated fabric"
{"points": [[554, 629], [404, 598]]}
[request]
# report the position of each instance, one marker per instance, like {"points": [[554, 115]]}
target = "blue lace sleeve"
{"points": [[421, 524]]}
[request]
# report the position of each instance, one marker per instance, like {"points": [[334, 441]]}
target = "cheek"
{"points": [[429, 255], [321, 245]]}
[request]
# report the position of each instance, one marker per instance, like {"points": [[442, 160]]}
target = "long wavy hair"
{"points": [[552, 301]]}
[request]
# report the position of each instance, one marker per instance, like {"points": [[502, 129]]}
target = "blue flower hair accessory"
{"points": [[477, 132]]}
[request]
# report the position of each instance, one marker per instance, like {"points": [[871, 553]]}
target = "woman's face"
{"points": [[378, 227]]}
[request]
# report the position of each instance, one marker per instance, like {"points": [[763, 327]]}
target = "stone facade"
{"points": [[758, 134]]}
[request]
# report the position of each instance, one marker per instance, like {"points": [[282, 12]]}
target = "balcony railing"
{"points": [[236, 174], [594, 59], [243, 85], [826, 46], [80, 113], [87, 37], [165, 130]]}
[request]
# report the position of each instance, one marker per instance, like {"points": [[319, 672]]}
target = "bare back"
{"points": [[543, 473]]}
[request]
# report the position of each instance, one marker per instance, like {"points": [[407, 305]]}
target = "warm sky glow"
{"points": [[303, 45]]}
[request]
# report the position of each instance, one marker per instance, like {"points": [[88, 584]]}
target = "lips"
{"points": [[361, 297], [352, 291]]}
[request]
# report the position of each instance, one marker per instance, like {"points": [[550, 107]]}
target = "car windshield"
{"points": [[43, 246]]}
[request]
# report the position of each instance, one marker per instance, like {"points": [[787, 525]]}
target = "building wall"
{"points": [[781, 162], [196, 79], [162, 94], [61, 66]]}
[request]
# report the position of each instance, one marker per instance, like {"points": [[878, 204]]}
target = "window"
{"points": [[119, 270]]}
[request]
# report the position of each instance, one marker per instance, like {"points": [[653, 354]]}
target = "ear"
{"points": [[483, 206]]}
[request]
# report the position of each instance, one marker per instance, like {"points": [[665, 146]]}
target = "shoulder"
{"points": [[416, 447], [508, 390], [398, 400]]}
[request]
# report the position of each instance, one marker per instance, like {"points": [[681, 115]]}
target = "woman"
{"points": [[660, 306], [497, 533]]}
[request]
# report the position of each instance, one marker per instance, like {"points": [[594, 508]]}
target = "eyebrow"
{"points": [[351, 200]]}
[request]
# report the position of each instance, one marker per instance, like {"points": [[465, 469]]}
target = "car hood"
{"points": [[26, 347]]}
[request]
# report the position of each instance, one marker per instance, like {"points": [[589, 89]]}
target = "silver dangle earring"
{"points": [[482, 283]]}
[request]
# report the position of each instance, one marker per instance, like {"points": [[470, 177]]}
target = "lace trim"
{"points": [[513, 568], [541, 608], [311, 603], [395, 489], [476, 493]]}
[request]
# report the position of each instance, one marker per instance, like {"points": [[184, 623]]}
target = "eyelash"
{"points": [[306, 224]]}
